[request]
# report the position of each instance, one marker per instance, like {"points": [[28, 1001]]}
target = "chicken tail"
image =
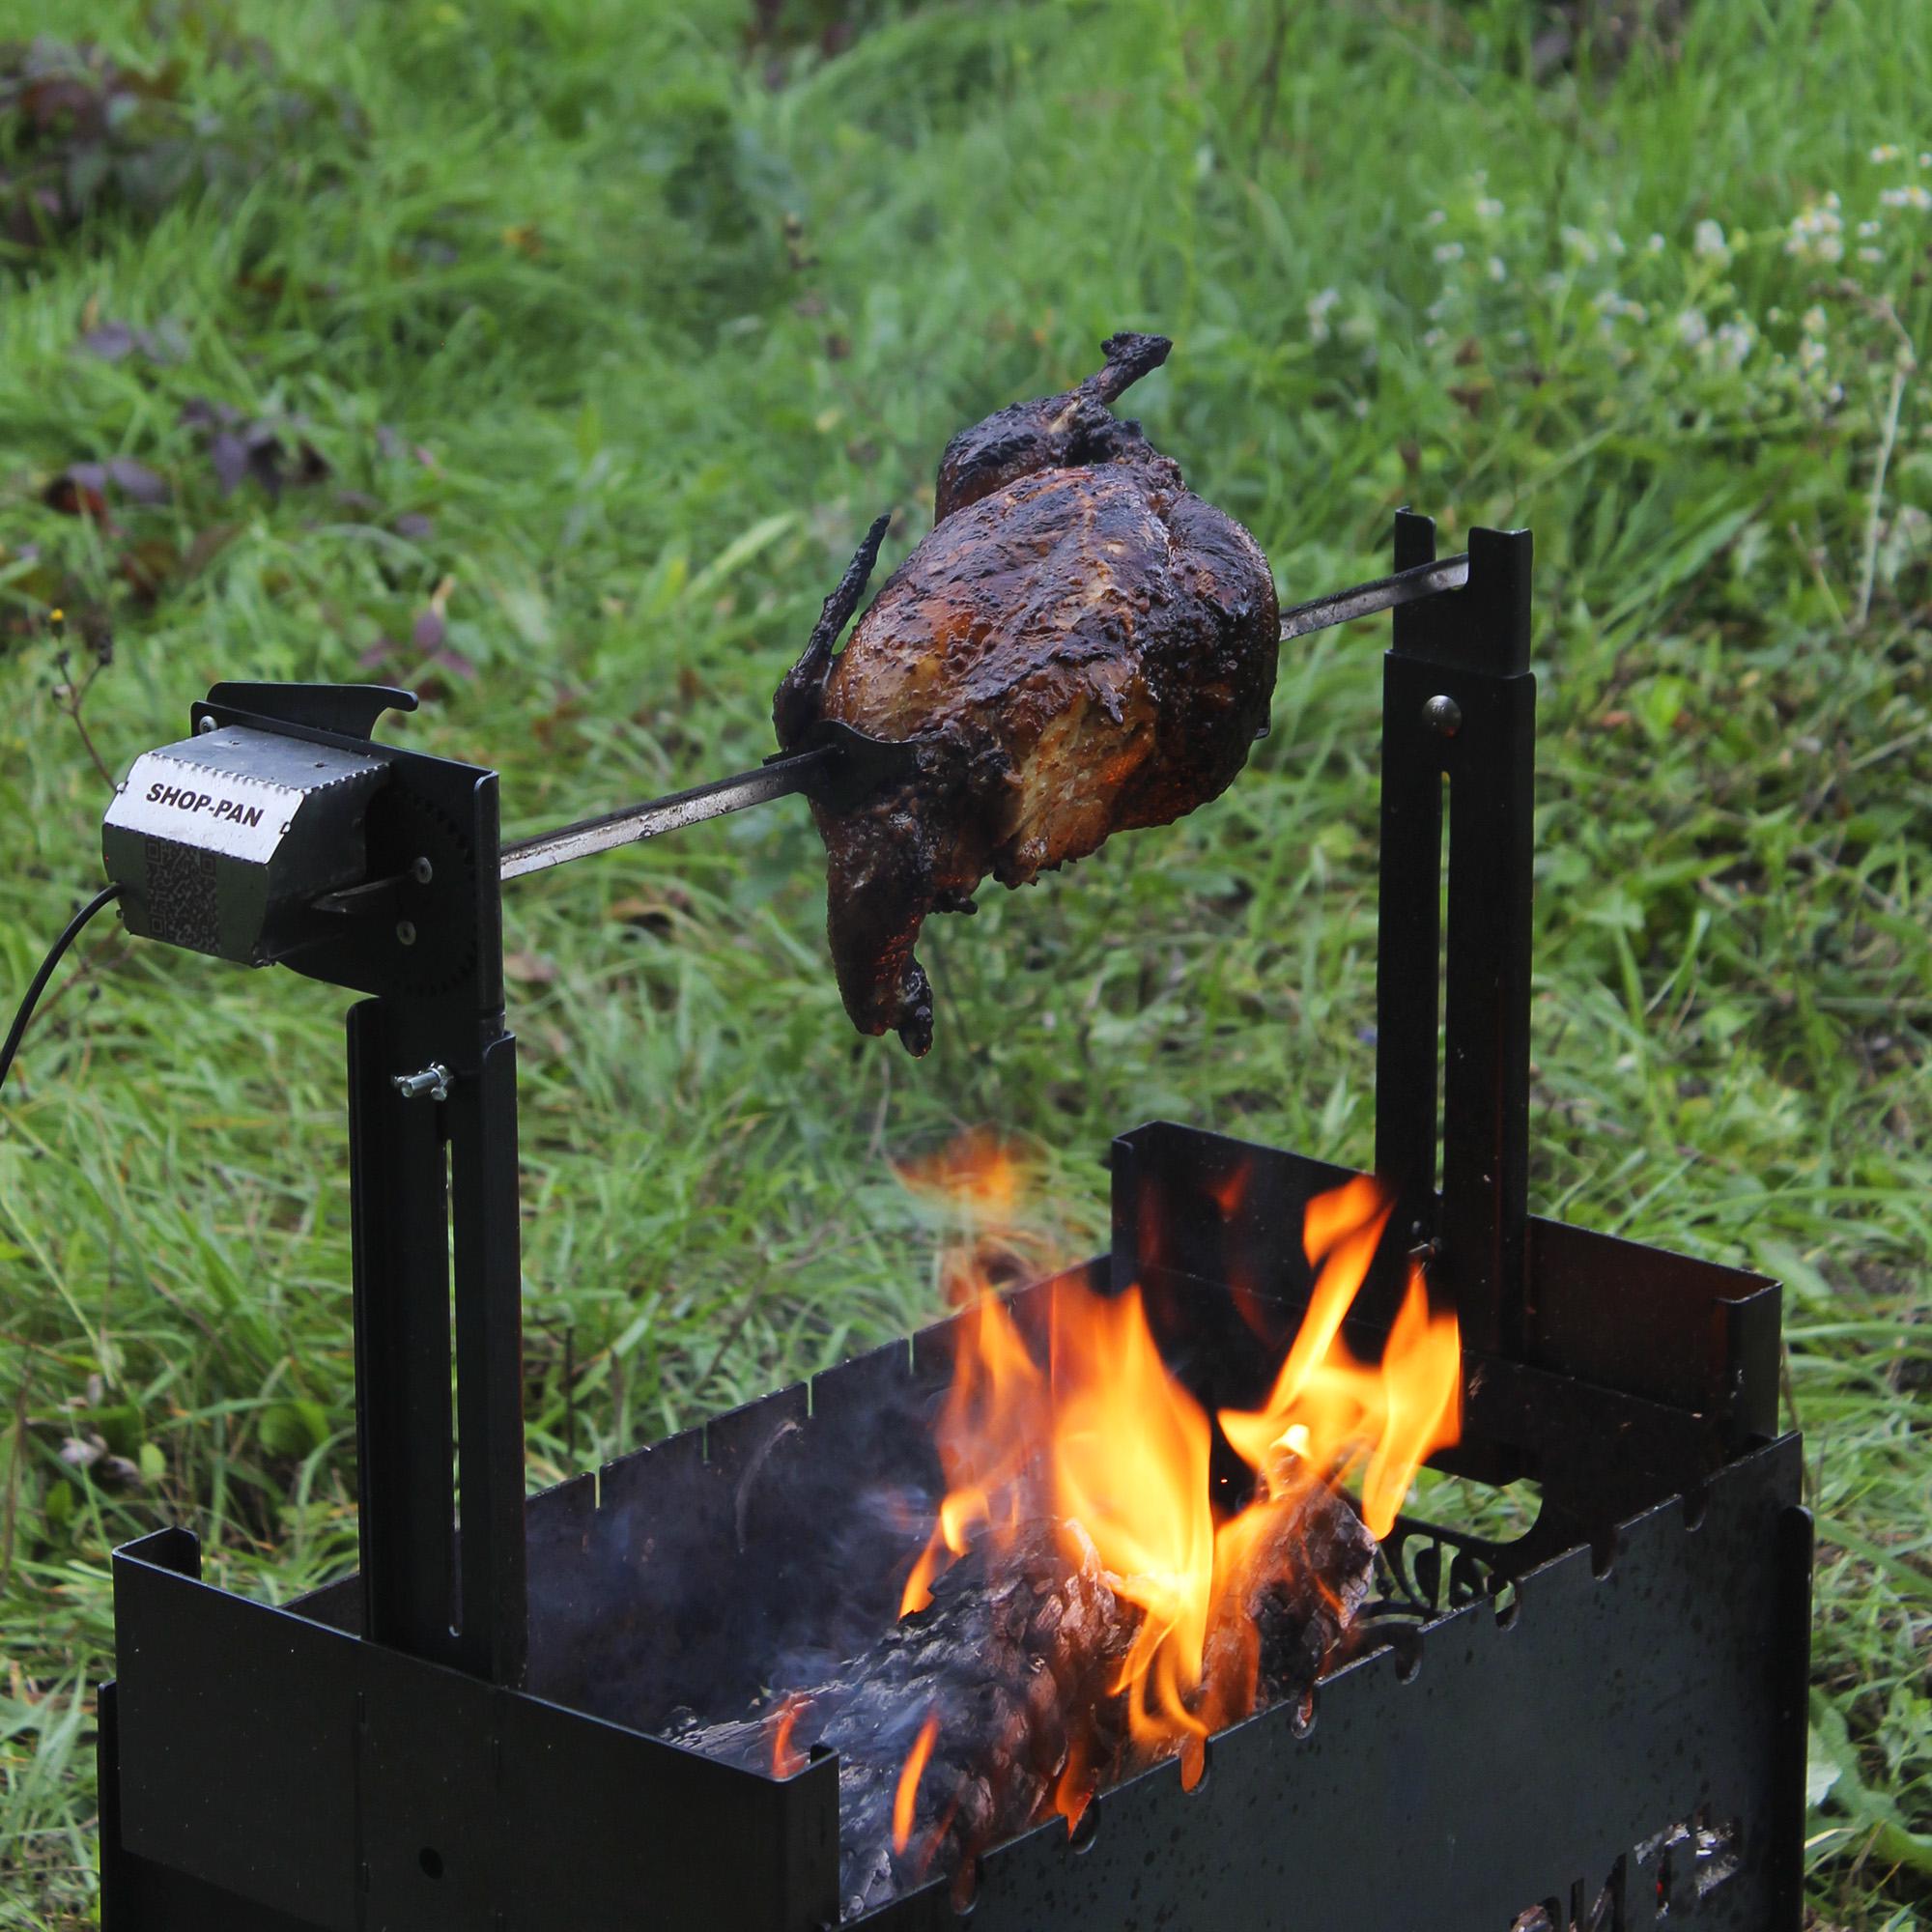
{"points": [[1130, 357], [795, 707]]}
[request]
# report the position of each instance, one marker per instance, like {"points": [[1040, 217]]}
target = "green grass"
{"points": [[547, 244]]}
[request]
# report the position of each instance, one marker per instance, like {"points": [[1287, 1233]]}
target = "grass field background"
{"points": [[552, 356]]}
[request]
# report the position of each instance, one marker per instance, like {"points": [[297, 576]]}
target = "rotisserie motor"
{"points": [[1079, 647]]}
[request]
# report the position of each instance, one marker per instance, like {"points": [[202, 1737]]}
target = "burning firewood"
{"points": [[1082, 1608], [1013, 1658], [1000, 1703], [1291, 1600]]}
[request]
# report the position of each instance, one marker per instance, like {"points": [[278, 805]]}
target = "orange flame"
{"points": [[1075, 1790], [995, 1417], [1129, 1459], [975, 1182], [1118, 1452], [906, 1797], [786, 1757], [1330, 1413], [977, 1175]]}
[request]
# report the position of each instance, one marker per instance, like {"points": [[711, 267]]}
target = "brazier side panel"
{"points": [[351, 1787], [1547, 1755]]}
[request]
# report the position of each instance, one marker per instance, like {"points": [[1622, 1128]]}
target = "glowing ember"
{"points": [[906, 1797]]}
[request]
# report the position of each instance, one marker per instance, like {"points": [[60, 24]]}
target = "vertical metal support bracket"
{"points": [[405, 1427], [487, 1257], [1459, 703], [434, 1195]]}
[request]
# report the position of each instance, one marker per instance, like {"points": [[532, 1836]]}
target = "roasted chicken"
{"points": [[1079, 647]]}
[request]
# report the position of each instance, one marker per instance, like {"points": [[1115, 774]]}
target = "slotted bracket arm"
{"points": [[1459, 733]]}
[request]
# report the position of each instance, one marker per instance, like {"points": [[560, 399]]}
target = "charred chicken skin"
{"points": [[1079, 647]]}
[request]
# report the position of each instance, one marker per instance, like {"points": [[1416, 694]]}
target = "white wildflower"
{"points": [[1655, 246], [1926, 160], [1708, 243], [1914, 195], [1817, 233], [1435, 218], [1579, 243], [1886, 151], [1736, 340], [1693, 331], [1871, 255], [1448, 251], [1496, 269], [1811, 354], [1869, 228], [1489, 209], [1814, 321], [1319, 305]]}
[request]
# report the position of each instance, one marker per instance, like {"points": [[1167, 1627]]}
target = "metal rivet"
{"points": [[1442, 715], [205, 724], [422, 871], [432, 1080], [405, 931]]}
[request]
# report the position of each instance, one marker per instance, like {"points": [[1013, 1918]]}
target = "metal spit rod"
{"points": [[804, 771], [633, 822], [1405, 586]]}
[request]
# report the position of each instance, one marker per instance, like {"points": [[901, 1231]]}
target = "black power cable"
{"points": [[106, 895]]}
